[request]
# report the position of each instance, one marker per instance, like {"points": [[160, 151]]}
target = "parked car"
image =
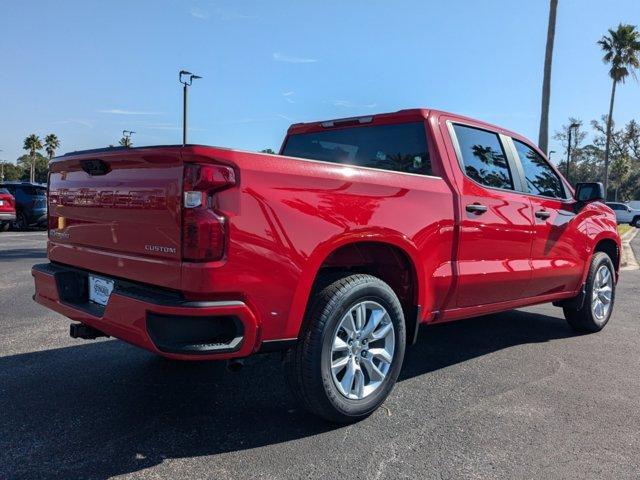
{"points": [[625, 214], [31, 204], [7, 209], [635, 204], [334, 251]]}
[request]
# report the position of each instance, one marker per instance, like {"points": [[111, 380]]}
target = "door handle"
{"points": [[476, 208], [543, 214]]}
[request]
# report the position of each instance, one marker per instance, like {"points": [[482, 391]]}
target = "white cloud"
{"points": [[199, 13], [350, 104], [219, 13], [282, 57], [76, 121], [118, 111], [287, 96]]}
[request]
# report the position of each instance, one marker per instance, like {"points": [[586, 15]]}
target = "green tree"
{"points": [[577, 137], [268, 150], [32, 144], [620, 171], [543, 135], [622, 52], [10, 172], [41, 167], [51, 144], [125, 142]]}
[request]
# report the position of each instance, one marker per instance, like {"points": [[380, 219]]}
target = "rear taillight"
{"points": [[204, 230]]}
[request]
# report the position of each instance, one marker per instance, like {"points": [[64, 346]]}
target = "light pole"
{"points": [[126, 138], [550, 152], [186, 79], [571, 127]]}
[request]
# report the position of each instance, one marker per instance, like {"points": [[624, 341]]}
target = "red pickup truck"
{"points": [[333, 251]]}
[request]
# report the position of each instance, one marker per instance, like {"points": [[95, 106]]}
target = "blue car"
{"points": [[31, 204]]}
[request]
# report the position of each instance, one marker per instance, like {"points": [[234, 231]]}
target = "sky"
{"points": [[86, 70]]}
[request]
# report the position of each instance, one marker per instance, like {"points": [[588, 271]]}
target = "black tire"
{"points": [[308, 364], [20, 223], [4, 226], [636, 222], [583, 319]]}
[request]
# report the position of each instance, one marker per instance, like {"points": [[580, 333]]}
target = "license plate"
{"points": [[1, 203], [100, 289]]}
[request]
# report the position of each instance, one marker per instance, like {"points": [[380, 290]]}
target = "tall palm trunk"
{"points": [[543, 136], [32, 173], [608, 140]]}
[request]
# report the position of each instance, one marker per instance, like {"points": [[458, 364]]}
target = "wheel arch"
{"points": [[390, 257], [611, 248]]}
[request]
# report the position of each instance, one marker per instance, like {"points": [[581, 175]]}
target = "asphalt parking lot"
{"points": [[515, 395]]}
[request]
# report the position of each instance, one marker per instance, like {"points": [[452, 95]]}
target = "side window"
{"points": [[541, 179], [399, 147], [483, 157]]}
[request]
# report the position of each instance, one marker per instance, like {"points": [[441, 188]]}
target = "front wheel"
{"points": [[600, 294], [636, 222], [350, 350]]}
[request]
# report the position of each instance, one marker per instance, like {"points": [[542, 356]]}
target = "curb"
{"points": [[628, 260]]}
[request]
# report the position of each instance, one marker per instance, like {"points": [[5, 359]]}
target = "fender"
{"points": [[601, 226], [322, 252]]}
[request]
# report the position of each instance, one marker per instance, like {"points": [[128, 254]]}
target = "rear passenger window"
{"points": [[541, 179], [399, 147], [483, 157]]}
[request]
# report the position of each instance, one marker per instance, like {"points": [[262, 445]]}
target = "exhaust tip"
{"points": [[80, 330], [235, 365]]}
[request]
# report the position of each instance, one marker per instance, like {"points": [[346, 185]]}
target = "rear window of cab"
{"points": [[400, 147]]}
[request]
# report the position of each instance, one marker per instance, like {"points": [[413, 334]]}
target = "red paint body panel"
{"points": [[103, 223], [7, 207], [286, 216]]}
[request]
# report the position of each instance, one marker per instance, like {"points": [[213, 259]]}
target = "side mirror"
{"points": [[589, 192]]}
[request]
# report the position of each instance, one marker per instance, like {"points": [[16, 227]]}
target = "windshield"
{"points": [[399, 147]]}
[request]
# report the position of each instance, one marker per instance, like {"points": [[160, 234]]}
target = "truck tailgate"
{"points": [[118, 213]]}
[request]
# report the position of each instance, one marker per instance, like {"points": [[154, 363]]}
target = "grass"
{"points": [[622, 229]]}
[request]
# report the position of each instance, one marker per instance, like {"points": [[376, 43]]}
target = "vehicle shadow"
{"points": [[105, 408], [23, 253]]}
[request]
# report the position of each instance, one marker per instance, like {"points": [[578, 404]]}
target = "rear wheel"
{"points": [[350, 350], [636, 222], [20, 223], [4, 226], [600, 295]]}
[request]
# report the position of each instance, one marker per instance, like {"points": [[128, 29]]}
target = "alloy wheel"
{"points": [[362, 350], [602, 293]]}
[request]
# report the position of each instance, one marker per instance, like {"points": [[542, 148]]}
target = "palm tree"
{"points": [[622, 51], [125, 142], [543, 135], [32, 143], [51, 144]]}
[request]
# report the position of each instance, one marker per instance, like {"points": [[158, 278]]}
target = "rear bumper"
{"points": [[156, 320], [7, 216], [37, 217]]}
